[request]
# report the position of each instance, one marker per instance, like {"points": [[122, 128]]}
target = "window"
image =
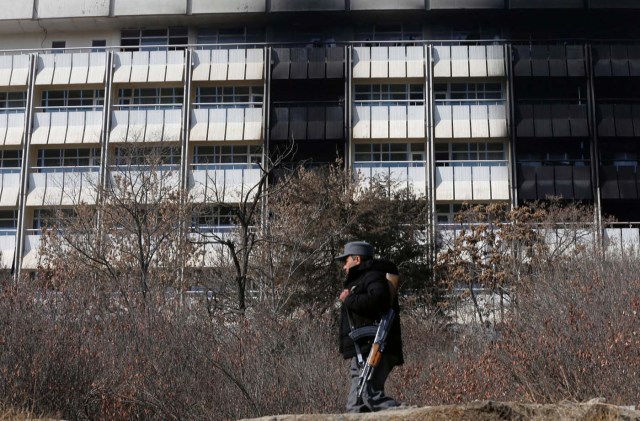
{"points": [[460, 154], [8, 221], [10, 160], [231, 35], [151, 98], [389, 32], [98, 45], [384, 152], [72, 100], [57, 46], [227, 96], [147, 156], [56, 158], [13, 100], [214, 219], [446, 212], [231, 154], [413, 94], [43, 218], [468, 92], [173, 38]]}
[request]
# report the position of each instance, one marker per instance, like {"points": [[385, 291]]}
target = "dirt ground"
{"points": [[594, 410]]}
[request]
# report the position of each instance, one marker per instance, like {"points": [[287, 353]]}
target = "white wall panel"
{"points": [[37, 189], [479, 121], [46, 66], [444, 183], [443, 122], [613, 238], [15, 129], [477, 61], [201, 65], [362, 122], [461, 121], [217, 124], [255, 64], [58, 130], [380, 122], [379, 62], [175, 66], [30, 258], [62, 71], [80, 68], [252, 124], [137, 125], [149, 7], [172, 125], [497, 121], [415, 121], [397, 62], [417, 180], [122, 62], [157, 66], [7, 250], [219, 64], [500, 183], [6, 67], [235, 124], [415, 62], [119, 126], [481, 183], [10, 189], [41, 126], [442, 61], [20, 72], [237, 64], [154, 123], [93, 127], [199, 124], [462, 183], [398, 122], [4, 122], [459, 61], [97, 67], [75, 127], [361, 58], [495, 61], [630, 239], [139, 66]]}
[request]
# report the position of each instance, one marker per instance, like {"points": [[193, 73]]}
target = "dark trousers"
{"points": [[373, 397]]}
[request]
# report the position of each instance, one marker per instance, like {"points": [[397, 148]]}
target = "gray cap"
{"points": [[356, 248]]}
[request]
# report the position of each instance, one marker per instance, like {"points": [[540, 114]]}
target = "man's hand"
{"points": [[344, 294]]}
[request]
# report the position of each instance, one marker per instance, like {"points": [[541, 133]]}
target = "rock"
{"points": [[593, 410]]}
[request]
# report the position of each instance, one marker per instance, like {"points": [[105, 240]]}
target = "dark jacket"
{"points": [[368, 301]]}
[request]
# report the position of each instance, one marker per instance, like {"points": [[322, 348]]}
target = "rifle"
{"points": [[377, 348]]}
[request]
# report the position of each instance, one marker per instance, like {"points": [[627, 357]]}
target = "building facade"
{"points": [[466, 101]]}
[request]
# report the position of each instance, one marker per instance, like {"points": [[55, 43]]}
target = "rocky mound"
{"points": [[594, 410]]}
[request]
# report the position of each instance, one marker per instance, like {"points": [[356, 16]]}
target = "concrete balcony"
{"points": [[472, 181], [148, 66], [371, 62], [71, 68], [469, 61], [399, 175], [56, 186], [229, 122], [158, 123], [221, 63], [67, 126], [223, 182], [308, 62], [551, 119], [560, 60], [537, 182], [398, 120], [618, 120], [7, 248], [470, 119], [622, 240]]}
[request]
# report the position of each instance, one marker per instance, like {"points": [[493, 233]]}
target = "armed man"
{"points": [[366, 300]]}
